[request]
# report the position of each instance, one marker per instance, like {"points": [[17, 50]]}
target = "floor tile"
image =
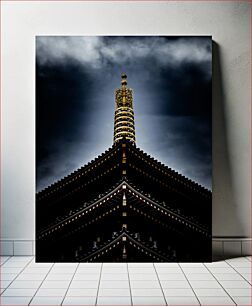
{"points": [[191, 264], [236, 259], [248, 277], [178, 292], [204, 284], [21, 258], [172, 276], [197, 270], [114, 284], [86, 276], [143, 266], [114, 264], [216, 264], [140, 264], [243, 300], [144, 270], [180, 300], [146, 292], [209, 292], [201, 276], [241, 264], [234, 284], [114, 292], [84, 284], [114, 268], [175, 284], [3, 259], [88, 270], [142, 300], [243, 269], [57, 276], [19, 292], [40, 265], [16, 284], [5, 283], [8, 276], [239, 291], [144, 284], [165, 270], [10, 270], [94, 264], [142, 277], [105, 300], [15, 300], [119, 276], [36, 270], [62, 270], [220, 270], [114, 271], [221, 300], [79, 301], [66, 264], [47, 300], [14, 264], [29, 276], [51, 292], [55, 284], [229, 276], [166, 264], [82, 292]]}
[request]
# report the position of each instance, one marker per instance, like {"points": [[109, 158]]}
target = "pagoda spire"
{"points": [[124, 126]]}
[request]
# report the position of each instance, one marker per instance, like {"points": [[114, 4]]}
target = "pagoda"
{"points": [[124, 206]]}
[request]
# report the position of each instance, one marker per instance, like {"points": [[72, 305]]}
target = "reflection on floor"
{"points": [[24, 282]]}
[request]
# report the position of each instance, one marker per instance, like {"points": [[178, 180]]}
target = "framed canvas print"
{"points": [[123, 148]]}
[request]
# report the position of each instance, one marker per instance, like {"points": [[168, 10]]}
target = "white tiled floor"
{"points": [[24, 282]]}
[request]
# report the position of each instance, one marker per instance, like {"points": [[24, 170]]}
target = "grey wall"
{"points": [[227, 22]]}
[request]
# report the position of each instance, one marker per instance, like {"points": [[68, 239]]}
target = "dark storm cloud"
{"points": [[182, 143], [97, 52], [184, 91], [76, 79], [58, 113]]}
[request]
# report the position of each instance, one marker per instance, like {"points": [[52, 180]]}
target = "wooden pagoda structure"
{"points": [[124, 206]]}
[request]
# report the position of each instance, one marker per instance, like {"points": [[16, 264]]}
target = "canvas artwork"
{"points": [[123, 148]]}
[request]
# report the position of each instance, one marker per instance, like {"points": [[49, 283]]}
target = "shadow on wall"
{"points": [[225, 214]]}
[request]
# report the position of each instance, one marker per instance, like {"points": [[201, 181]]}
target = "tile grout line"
{"points": [[16, 276], [239, 272], [41, 283], [70, 284], [160, 284], [9, 257], [99, 284], [220, 284], [129, 285], [1, 266], [247, 258], [189, 284]]}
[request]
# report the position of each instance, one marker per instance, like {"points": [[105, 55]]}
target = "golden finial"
{"points": [[124, 126], [124, 79]]}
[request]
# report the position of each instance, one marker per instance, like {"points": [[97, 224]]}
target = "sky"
{"points": [[76, 78]]}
